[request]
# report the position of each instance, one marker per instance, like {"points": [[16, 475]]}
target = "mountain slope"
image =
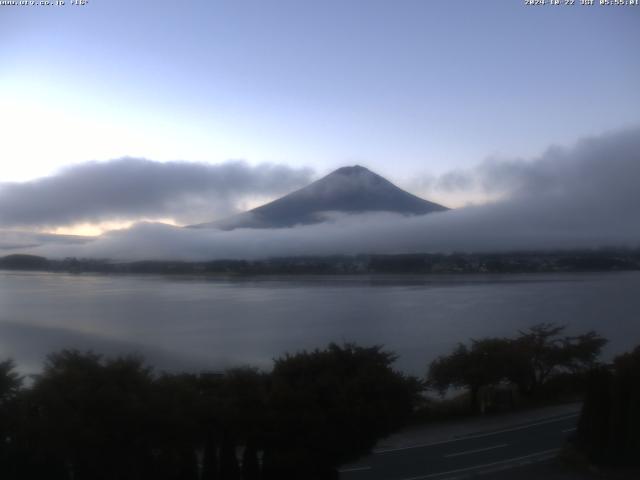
{"points": [[346, 190]]}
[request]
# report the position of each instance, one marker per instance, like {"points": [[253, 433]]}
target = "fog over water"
{"points": [[199, 323]]}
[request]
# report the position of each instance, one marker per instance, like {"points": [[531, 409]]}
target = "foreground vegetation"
{"points": [[86, 417], [89, 417], [499, 371], [542, 363], [609, 427]]}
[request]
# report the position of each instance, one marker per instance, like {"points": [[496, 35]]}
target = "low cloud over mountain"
{"points": [[132, 188], [583, 196]]}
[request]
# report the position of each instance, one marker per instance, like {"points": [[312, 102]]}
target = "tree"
{"points": [[174, 430], [330, 406], [91, 416], [10, 387], [210, 466], [543, 352], [250, 464], [485, 362], [10, 381], [610, 419], [229, 468], [528, 360], [232, 412]]}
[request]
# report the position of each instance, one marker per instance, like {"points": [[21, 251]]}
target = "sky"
{"points": [[281, 92]]}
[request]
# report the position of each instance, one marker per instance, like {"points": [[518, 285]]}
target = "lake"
{"points": [[198, 323]]}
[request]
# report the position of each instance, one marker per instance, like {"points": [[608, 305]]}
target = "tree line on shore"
{"points": [[89, 417], [613, 259]]}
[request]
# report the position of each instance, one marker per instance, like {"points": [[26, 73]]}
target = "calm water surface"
{"points": [[202, 323]]}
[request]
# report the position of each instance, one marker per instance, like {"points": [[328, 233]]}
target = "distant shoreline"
{"points": [[602, 260]]}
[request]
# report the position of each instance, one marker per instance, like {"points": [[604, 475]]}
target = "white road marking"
{"points": [[480, 435], [485, 465], [477, 450], [353, 469]]}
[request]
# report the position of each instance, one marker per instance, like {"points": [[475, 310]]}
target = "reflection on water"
{"points": [[205, 323]]}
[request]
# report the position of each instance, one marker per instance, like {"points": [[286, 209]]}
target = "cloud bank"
{"points": [[133, 188], [20, 240], [595, 168], [585, 196]]}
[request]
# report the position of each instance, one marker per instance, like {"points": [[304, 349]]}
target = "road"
{"points": [[467, 455]]}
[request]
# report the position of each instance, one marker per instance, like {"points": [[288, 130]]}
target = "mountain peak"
{"points": [[351, 190], [353, 170]]}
